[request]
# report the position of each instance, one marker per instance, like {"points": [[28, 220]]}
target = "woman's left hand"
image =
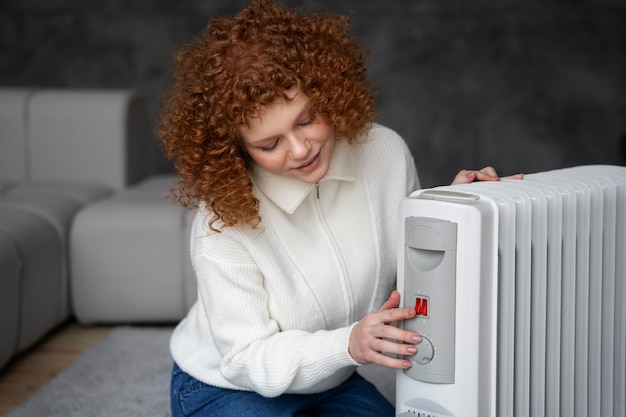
{"points": [[486, 174]]}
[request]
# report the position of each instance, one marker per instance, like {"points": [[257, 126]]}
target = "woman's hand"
{"points": [[486, 174], [367, 340]]}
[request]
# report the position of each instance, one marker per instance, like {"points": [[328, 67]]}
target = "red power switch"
{"points": [[421, 306]]}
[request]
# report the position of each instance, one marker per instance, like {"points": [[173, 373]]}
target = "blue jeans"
{"points": [[355, 397]]}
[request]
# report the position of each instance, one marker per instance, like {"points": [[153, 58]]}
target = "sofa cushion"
{"points": [[130, 257], [90, 136]]}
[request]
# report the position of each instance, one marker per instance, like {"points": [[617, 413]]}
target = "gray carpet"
{"points": [[127, 374]]}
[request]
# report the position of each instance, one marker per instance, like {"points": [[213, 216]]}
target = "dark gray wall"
{"points": [[522, 85]]}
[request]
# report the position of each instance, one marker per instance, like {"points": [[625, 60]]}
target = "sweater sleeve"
{"points": [[413, 182], [256, 354], [393, 159]]}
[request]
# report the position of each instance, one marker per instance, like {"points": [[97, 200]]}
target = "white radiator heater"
{"points": [[520, 294]]}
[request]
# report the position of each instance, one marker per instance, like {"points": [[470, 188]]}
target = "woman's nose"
{"points": [[300, 147]]}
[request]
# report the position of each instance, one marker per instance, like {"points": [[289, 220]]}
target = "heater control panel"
{"points": [[430, 286]]}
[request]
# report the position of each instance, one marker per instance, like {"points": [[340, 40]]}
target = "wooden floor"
{"points": [[25, 374]]}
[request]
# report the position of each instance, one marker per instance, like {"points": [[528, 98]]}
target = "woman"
{"points": [[270, 124]]}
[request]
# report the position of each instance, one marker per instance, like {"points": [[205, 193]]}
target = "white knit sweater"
{"points": [[276, 304]]}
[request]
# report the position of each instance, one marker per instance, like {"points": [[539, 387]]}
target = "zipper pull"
{"points": [[317, 190]]}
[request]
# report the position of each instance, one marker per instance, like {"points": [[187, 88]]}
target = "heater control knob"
{"points": [[425, 352]]}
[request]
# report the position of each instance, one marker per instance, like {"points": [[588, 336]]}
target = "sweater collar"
{"points": [[288, 193]]}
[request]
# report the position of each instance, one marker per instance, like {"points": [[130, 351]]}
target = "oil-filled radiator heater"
{"points": [[520, 292]]}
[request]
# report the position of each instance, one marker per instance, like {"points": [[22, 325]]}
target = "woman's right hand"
{"points": [[369, 339]]}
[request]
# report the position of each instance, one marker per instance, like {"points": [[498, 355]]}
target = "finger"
{"points": [[486, 174], [482, 176], [393, 348], [463, 177], [390, 362], [390, 315], [386, 353], [392, 302], [489, 171], [398, 335]]}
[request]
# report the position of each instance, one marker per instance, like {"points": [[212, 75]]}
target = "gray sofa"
{"points": [[86, 230], [85, 226]]}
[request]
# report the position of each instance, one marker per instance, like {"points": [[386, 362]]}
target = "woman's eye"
{"points": [[272, 147], [306, 122]]}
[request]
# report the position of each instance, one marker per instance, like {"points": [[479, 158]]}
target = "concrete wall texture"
{"points": [[522, 85]]}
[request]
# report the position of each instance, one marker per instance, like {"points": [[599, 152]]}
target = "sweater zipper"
{"points": [[341, 264]]}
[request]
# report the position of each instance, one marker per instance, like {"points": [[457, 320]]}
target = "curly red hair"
{"points": [[233, 68]]}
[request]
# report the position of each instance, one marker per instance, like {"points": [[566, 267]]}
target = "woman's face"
{"points": [[288, 139]]}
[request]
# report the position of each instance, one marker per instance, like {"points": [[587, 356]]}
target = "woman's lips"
{"points": [[311, 165]]}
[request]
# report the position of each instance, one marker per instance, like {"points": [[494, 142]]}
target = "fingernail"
{"points": [[406, 364], [411, 350], [416, 339]]}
